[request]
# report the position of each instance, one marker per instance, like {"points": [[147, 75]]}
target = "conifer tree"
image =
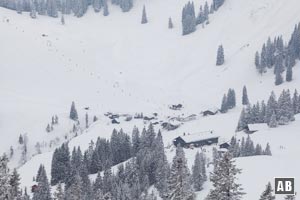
{"points": [[225, 186], [15, 185], [179, 182], [105, 8], [268, 193], [62, 20], [32, 10], [144, 16], [197, 175], [25, 196], [162, 166], [224, 106], [5, 187], [59, 193], [289, 73], [273, 121], [43, 189], [74, 192], [231, 101], [170, 23], [245, 100], [267, 151], [86, 120], [257, 62], [73, 112], [220, 56]]}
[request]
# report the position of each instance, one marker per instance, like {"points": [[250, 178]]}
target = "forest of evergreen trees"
{"points": [[52, 7], [189, 19], [282, 58], [274, 112]]}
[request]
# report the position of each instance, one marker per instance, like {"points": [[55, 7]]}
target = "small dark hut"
{"points": [[196, 140]]}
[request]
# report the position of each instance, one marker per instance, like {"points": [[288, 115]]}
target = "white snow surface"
{"points": [[116, 64]]}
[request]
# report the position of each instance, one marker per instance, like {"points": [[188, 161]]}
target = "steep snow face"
{"points": [[115, 63]]}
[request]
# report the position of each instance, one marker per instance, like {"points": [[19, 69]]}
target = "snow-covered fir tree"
{"points": [[15, 185], [5, 187], [273, 121], [43, 187], [105, 8], [62, 19], [59, 192], [245, 99], [199, 172], [268, 193], [220, 56], [179, 182], [267, 151], [224, 107], [144, 16], [170, 23], [224, 179], [73, 112]]}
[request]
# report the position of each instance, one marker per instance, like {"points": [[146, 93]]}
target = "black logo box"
{"points": [[284, 182]]}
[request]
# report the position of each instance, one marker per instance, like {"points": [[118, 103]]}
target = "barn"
{"points": [[196, 139]]}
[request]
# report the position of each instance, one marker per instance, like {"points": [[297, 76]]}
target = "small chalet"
{"points": [[212, 111], [252, 128], [197, 139], [224, 145]]}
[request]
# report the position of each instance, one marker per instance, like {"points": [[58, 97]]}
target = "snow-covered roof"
{"points": [[198, 136], [212, 109], [258, 127]]}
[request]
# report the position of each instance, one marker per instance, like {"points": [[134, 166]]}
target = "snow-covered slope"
{"points": [[116, 64]]}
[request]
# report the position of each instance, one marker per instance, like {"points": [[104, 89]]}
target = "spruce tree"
{"points": [[144, 16], [43, 189], [268, 193], [170, 23], [73, 112], [179, 182], [5, 187], [224, 179], [62, 20], [162, 165], [105, 8], [278, 78], [273, 121], [15, 185], [197, 175], [74, 192], [59, 193], [224, 105], [86, 120], [267, 151], [289, 73], [245, 100], [257, 62], [220, 56]]}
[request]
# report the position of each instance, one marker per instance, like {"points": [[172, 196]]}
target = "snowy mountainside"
{"points": [[116, 64]]}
